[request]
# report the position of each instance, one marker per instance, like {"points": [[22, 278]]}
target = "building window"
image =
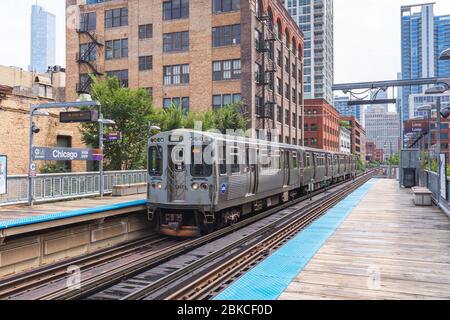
{"points": [[287, 117], [306, 127], [145, 63], [88, 21], [88, 52], [85, 83], [176, 9], [279, 86], [258, 73], [294, 120], [176, 74], [149, 91], [220, 6], [176, 41], [314, 127], [279, 59], [294, 95], [122, 75], [226, 35], [116, 49], [226, 70], [220, 101], [287, 93], [279, 114], [145, 31], [286, 65], [116, 17], [182, 102]]}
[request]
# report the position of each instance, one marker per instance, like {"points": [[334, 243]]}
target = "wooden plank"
{"points": [[406, 248]]}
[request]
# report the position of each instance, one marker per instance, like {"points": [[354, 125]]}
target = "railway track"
{"points": [[155, 273], [252, 249]]}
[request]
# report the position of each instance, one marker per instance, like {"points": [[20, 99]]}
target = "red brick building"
{"points": [[420, 129], [358, 138], [372, 153], [321, 125]]}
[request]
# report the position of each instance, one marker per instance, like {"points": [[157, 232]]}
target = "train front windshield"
{"points": [[155, 161]]}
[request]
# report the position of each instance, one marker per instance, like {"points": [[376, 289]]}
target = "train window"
{"points": [[223, 161], [295, 159], [308, 160], [201, 169], [235, 168], [155, 161]]}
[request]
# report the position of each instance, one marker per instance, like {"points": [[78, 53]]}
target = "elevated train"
{"points": [[199, 181]]}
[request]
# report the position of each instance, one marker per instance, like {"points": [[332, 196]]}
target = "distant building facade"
{"points": [[198, 55], [321, 125], [315, 18], [20, 89], [419, 100], [43, 39], [345, 140], [358, 137], [423, 37], [341, 105], [382, 128]]}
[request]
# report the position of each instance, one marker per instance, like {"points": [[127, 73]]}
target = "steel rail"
{"points": [[147, 291], [34, 278], [205, 285], [115, 275]]}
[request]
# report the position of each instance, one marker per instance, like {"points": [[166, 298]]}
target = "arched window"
{"points": [[294, 46], [286, 37], [270, 14], [278, 30]]}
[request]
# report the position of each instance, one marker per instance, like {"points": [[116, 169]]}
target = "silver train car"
{"points": [[199, 181]]}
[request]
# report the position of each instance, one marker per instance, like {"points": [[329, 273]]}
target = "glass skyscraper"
{"points": [[357, 111], [315, 18], [43, 39], [424, 37]]}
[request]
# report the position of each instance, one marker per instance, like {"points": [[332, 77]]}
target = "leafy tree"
{"points": [[361, 164], [131, 109], [230, 117], [53, 167], [394, 160]]}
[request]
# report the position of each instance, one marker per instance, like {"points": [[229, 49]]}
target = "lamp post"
{"points": [[445, 55], [439, 89], [101, 123], [34, 111]]}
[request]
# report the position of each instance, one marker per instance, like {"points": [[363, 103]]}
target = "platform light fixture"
{"points": [[445, 55]]}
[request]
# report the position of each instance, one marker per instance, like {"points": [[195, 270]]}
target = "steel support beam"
{"points": [[387, 84]]}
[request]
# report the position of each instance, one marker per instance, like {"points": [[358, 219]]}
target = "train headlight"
{"points": [[160, 185], [194, 186], [204, 186]]}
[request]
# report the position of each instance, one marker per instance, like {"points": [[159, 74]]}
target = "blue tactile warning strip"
{"points": [[271, 277], [67, 214]]}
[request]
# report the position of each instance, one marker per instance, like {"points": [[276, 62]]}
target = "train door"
{"points": [[250, 156], [176, 173], [286, 167]]}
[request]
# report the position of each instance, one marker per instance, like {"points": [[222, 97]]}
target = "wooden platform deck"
{"points": [[387, 248]]}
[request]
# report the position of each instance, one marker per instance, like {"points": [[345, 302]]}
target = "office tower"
{"points": [[424, 36], [197, 55], [345, 110], [382, 128], [43, 39], [315, 18]]}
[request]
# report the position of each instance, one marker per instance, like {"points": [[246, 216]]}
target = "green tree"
{"points": [[230, 117], [361, 164], [131, 109], [394, 160]]}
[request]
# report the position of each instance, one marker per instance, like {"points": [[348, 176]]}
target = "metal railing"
{"points": [[62, 186]]}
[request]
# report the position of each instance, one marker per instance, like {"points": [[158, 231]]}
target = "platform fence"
{"points": [[56, 186], [431, 181]]}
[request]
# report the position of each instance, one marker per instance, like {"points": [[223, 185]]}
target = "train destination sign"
{"points": [[78, 116], [66, 154]]}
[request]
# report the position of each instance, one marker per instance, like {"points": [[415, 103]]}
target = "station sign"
{"points": [[416, 127], [33, 169], [113, 136], [66, 154], [78, 116]]}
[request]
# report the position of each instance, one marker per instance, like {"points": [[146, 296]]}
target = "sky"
{"points": [[367, 35]]}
